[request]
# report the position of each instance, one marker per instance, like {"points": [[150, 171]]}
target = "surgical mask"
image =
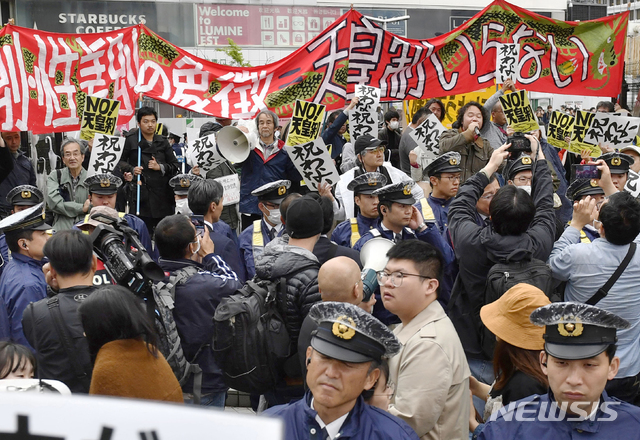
{"points": [[182, 207], [394, 125], [527, 188], [199, 245], [274, 216]]}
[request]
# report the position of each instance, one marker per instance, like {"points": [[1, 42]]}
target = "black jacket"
{"points": [[156, 196], [53, 361], [300, 268], [478, 248], [324, 251]]}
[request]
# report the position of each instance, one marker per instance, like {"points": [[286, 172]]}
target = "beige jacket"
{"points": [[431, 376], [474, 155]]}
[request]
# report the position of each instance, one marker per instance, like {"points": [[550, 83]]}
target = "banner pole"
{"points": [[139, 164]]}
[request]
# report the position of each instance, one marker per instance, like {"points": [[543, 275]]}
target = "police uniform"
{"points": [[436, 209], [23, 195], [257, 235], [106, 184], [573, 331], [348, 232], [23, 280], [401, 193], [575, 192], [513, 167], [348, 334], [180, 185]]}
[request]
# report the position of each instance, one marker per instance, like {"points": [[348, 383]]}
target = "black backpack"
{"points": [[518, 268], [251, 342]]}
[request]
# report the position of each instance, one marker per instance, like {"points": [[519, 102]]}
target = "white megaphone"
{"points": [[233, 144], [373, 257]]}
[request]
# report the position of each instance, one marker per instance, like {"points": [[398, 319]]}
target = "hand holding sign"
{"points": [[507, 62], [518, 111], [314, 163], [427, 136], [610, 130], [305, 122], [105, 154], [363, 119]]}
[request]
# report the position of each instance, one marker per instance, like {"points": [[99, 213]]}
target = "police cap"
{"points": [[367, 183], [513, 167], [617, 162], [182, 182], [583, 187], [274, 192], [396, 192], [28, 219], [445, 163], [24, 195], [103, 184]]}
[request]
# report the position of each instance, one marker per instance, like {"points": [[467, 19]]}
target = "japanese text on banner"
{"points": [[517, 109], [314, 163], [203, 152], [231, 185], [633, 184], [580, 126], [363, 118], [105, 154], [100, 116], [305, 123], [612, 130], [507, 62], [560, 128], [427, 136]]}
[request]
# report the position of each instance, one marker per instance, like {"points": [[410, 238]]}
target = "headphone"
{"points": [[544, 364], [24, 245]]}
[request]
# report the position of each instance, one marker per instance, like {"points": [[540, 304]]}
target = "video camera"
{"points": [[124, 256], [519, 145]]}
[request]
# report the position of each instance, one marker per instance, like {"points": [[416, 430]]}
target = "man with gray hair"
{"points": [[267, 162]]}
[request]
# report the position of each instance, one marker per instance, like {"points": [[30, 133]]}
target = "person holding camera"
{"points": [[475, 150], [182, 249], [52, 325], [519, 222]]}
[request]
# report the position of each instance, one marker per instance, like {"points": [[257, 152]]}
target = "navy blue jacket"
{"points": [[227, 249], [342, 233], [257, 171], [22, 174], [246, 246], [4, 253], [195, 304], [332, 136], [363, 422], [22, 283]]}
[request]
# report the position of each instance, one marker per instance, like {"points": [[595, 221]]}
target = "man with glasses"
{"points": [[370, 153], [444, 177], [67, 192], [587, 267], [518, 172], [430, 373]]}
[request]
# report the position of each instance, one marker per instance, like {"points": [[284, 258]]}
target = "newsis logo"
{"points": [[551, 411]]}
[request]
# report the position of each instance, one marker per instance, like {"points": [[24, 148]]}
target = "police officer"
{"points": [[180, 185], [349, 231], [342, 361], [578, 359], [19, 198], [444, 177], [578, 190], [257, 235], [23, 280], [518, 172], [619, 164], [103, 189]]}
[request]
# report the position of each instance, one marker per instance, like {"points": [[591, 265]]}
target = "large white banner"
{"points": [[612, 130], [105, 154], [314, 163], [363, 118]]}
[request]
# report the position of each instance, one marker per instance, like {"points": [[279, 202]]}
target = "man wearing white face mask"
{"points": [[518, 172], [391, 133], [180, 185], [254, 238]]}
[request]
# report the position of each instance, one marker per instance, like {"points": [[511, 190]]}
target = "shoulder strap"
{"points": [[427, 211], [257, 238], [355, 232], [375, 232], [59, 174], [604, 290], [66, 340]]}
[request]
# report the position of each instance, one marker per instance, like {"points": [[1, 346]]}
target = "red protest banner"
{"points": [[44, 77]]}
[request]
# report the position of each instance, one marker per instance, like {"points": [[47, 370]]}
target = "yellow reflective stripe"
{"points": [[258, 239], [86, 219], [355, 233], [427, 212], [584, 238]]}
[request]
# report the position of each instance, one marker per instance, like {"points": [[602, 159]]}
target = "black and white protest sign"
{"points": [[363, 118], [427, 136], [612, 130], [305, 122], [507, 62], [105, 154], [54, 417], [231, 185], [204, 153], [633, 184], [314, 163]]}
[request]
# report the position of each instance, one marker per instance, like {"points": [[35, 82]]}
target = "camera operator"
{"points": [[196, 298], [52, 325]]}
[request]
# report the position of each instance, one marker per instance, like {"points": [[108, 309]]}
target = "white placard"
{"points": [[75, 417], [314, 163], [231, 184], [363, 118], [105, 154], [507, 62], [204, 153], [427, 136], [633, 184], [612, 130]]}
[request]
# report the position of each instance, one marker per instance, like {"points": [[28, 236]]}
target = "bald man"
{"points": [[338, 280]]}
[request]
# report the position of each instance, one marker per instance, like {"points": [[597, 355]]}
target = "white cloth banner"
{"points": [[314, 163], [612, 130], [105, 154]]}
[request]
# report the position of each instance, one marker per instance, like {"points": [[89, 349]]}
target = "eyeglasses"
{"points": [[73, 154], [389, 391], [523, 180], [375, 150], [488, 196], [396, 277], [451, 178]]}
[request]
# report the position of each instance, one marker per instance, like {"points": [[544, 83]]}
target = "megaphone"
{"points": [[233, 144], [373, 257]]}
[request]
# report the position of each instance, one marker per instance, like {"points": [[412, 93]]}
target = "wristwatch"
{"points": [[420, 226]]}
